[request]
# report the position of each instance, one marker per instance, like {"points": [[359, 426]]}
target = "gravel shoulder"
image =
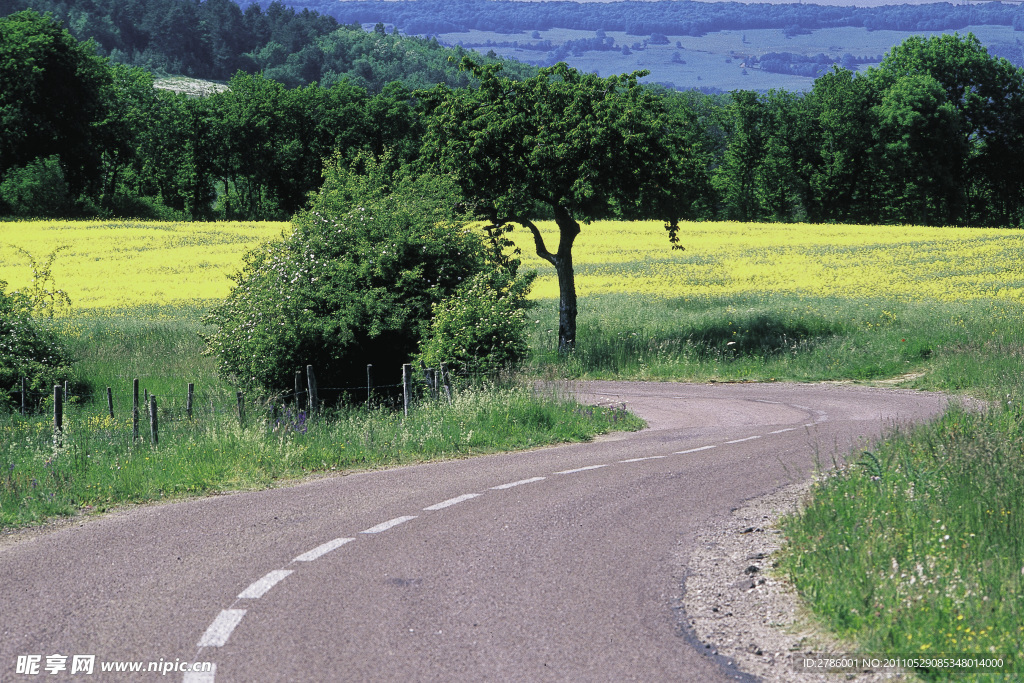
{"points": [[744, 609]]}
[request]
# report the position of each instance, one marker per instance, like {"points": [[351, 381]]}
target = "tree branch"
{"points": [[538, 239]]}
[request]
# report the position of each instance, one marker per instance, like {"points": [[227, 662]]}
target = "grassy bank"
{"points": [[97, 463], [970, 346], [916, 548]]}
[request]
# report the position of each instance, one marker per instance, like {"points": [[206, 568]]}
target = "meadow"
{"points": [[913, 547]]}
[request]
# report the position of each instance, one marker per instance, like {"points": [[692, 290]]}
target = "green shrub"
{"points": [[26, 351], [38, 190], [354, 284], [482, 328]]}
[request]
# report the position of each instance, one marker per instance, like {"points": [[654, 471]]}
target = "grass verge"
{"points": [[97, 463]]}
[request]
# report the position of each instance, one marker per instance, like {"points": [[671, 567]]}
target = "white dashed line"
{"points": [[787, 429], [321, 550], [694, 450], [384, 526], [650, 457], [257, 589], [581, 469], [517, 483], [220, 630], [201, 676], [749, 438], [452, 501]]}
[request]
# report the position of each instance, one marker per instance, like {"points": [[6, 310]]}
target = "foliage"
{"points": [[37, 190], [482, 326], [26, 351], [354, 284], [582, 146], [42, 296], [52, 103]]}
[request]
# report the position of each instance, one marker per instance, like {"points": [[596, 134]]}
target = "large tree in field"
{"points": [[574, 146]]}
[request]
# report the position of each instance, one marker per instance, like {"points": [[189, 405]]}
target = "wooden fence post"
{"points": [[432, 382], [314, 401], [58, 411], [135, 409], [298, 390], [446, 380], [188, 399], [406, 386], [110, 402], [369, 384], [154, 436], [241, 409]]}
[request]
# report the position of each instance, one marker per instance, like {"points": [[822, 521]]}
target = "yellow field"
{"points": [[127, 263], [825, 260], [112, 264]]}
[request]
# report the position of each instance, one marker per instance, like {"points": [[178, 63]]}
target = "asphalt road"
{"points": [[563, 564]]}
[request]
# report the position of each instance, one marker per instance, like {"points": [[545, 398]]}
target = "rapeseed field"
{"points": [[730, 258], [127, 263], [121, 264]]}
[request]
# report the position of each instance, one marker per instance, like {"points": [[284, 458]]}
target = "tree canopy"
{"points": [[575, 146], [53, 98]]}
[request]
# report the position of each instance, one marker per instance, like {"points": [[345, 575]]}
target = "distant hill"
{"points": [[214, 39], [713, 46]]}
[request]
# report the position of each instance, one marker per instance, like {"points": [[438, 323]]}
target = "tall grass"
{"points": [[96, 463], [971, 345], [917, 548]]}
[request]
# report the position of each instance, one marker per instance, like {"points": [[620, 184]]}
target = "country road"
{"points": [[558, 564]]}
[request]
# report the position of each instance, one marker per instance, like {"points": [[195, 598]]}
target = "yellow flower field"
{"points": [[944, 264], [126, 263]]}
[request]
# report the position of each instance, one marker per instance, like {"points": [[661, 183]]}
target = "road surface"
{"points": [[557, 564]]}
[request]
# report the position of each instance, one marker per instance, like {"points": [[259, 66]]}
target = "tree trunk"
{"points": [[568, 228], [566, 303]]}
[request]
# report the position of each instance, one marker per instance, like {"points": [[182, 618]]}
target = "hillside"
{"points": [[715, 47], [215, 39]]}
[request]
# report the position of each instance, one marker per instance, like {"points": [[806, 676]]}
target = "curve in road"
{"points": [[561, 563]]}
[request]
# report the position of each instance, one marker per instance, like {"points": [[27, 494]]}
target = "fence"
{"points": [[305, 399]]}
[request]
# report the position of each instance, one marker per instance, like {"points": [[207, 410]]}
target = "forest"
{"points": [[929, 137]]}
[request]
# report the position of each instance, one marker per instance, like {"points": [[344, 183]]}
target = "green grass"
{"points": [[97, 463], [917, 548], [973, 346]]}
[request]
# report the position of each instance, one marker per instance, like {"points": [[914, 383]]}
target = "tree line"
{"points": [[930, 136]]}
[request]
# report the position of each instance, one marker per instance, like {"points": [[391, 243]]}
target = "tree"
{"points": [[838, 149], [52, 99], [576, 145]]}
